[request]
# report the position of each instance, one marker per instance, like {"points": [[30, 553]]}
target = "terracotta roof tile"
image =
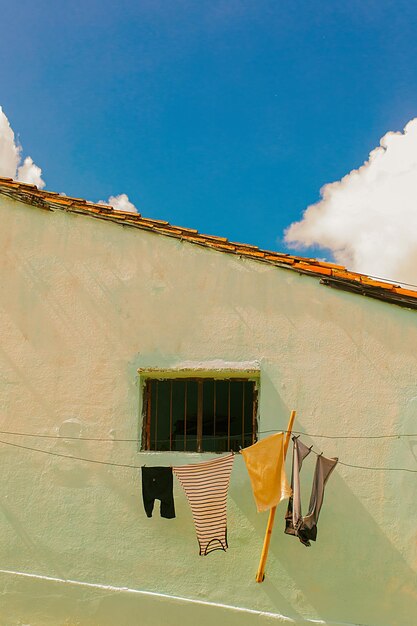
{"points": [[308, 267], [405, 292], [329, 274], [343, 273], [220, 245], [250, 252], [104, 207], [246, 246], [187, 237], [277, 258], [332, 265], [213, 238], [152, 221], [191, 231], [170, 231], [376, 283]]}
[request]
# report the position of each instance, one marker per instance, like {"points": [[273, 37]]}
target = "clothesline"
{"points": [[78, 458], [377, 469], [240, 435]]}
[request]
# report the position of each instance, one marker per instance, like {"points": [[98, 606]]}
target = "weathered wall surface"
{"points": [[83, 305]]}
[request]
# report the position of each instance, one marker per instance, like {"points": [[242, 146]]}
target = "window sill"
{"points": [[212, 369]]}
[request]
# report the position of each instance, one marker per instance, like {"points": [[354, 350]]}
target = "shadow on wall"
{"points": [[38, 550], [52, 603], [352, 574]]}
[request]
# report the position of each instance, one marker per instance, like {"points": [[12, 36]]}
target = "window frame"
{"points": [[199, 377]]}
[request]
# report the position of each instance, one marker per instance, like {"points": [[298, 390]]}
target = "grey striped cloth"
{"points": [[206, 485]]}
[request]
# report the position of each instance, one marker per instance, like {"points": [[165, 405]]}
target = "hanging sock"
{"points": [[206, 485], [157, 484], [265, 464], [305, 528]]}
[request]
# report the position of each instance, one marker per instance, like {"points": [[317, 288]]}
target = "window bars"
{"points": [[199, 414]]}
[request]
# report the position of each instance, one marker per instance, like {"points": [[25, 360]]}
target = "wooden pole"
{"points": [[260, 575]]}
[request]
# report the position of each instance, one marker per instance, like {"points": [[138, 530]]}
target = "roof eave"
{"points": [[329, 274]]}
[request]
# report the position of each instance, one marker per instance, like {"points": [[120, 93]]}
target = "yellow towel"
{"points": [[265, 464]]}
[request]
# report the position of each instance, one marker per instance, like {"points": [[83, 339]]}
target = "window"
{"points": [[199, 414]]}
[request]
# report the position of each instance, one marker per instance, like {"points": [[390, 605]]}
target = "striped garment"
{"points": [[206, 485]]}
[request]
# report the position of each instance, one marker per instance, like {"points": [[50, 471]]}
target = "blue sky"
{"points": [[223, 116]]}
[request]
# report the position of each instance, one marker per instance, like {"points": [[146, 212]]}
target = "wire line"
{"points": [[249, 434], [376, 469], [78, 458], [299, 432], [68, 456], [392, 280]]}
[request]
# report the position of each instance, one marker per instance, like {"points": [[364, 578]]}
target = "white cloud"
{"points": [[11, 166], [121, 203], [9, 151], [30, 173], [368, 219], [10, 157]]}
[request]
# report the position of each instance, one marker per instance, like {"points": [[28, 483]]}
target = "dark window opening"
{"points": [[199, 415]]}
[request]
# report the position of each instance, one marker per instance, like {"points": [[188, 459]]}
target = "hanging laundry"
{"points": [[157, 484], [206, 486], [305, 528], [265, 464]]}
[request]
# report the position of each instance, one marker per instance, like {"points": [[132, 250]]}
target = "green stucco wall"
{"points": [[83, 304]]}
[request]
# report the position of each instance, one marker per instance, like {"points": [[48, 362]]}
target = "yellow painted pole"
{"points": [[260, 575]]}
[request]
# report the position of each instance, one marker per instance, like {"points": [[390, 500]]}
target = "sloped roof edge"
{"points": [[330, 274]]}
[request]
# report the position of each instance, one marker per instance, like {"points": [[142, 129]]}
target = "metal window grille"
{"points": [[199, 414]]}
